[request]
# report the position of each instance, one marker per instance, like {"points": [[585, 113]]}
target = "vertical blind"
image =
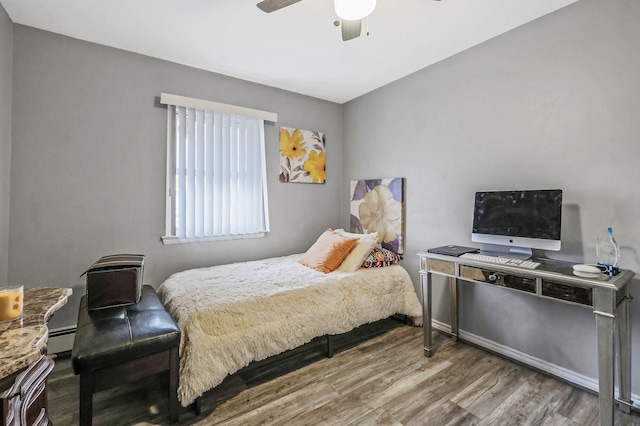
{"points": [[217, 174]]}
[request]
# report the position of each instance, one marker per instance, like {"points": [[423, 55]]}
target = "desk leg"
{"points": [[624, 351], [425, 281], [453, 290], [605, 324]]}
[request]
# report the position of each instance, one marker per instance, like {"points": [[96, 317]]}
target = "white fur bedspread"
{"points": [[233, 314]]}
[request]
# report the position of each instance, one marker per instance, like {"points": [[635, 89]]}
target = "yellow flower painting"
{"points": [[302, 156], [377, 205]]}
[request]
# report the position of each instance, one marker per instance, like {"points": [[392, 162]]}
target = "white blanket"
{"points": [[231, 315]]}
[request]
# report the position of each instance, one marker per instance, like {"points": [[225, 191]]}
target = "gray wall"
{"points": [[88, 163], [6, 59], [552, 104]]}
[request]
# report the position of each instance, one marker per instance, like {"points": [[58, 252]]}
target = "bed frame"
{"points": [[259, 372]]}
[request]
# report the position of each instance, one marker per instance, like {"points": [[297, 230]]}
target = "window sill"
{"points": [[170, 239]]}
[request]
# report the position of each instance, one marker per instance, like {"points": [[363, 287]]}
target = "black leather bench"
{"points": [[118, 345]]}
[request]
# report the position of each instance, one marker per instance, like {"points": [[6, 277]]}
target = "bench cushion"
{"points": [[115, 335]]}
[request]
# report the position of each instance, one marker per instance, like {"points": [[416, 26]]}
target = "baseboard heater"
{"points": [[61, 340], [62, 331]]}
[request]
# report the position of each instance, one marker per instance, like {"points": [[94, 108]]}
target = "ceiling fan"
{"points": [[350, 12]]}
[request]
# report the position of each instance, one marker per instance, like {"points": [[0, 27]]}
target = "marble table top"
{"points": [[22, 340]]}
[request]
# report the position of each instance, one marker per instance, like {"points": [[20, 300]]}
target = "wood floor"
{"points": [[383, 381]]}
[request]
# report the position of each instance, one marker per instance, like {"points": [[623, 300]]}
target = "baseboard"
{"points": [[61, 340], [579, 380]]}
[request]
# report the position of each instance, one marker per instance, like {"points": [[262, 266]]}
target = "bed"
{"points": [[231, 315]]}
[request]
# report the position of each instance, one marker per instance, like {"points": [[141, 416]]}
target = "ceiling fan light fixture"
{"points": [[352, 10]]}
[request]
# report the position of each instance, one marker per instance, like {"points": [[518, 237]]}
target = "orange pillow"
{"points": [[328, 252]]}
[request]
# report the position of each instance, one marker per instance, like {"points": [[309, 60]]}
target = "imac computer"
{"points": [[521, 220]]}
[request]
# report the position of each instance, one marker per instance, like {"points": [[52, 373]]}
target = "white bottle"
{"points": [[607, 249]]}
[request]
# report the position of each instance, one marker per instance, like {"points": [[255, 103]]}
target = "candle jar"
{"points": [[11, 302]]}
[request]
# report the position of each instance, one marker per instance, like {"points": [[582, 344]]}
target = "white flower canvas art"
{"points": [[377, 205]]}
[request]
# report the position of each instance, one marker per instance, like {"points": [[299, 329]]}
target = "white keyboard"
{"points": [[501, 260]]}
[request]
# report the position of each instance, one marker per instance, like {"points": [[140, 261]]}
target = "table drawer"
{"points": [[568, 293], [442, 267], [498, 278]]}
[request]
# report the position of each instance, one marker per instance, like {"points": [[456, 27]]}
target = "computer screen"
{"points": [[522, 220]]}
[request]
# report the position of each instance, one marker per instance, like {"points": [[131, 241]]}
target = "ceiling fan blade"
{"points": [[351, 29], [273, 5]]}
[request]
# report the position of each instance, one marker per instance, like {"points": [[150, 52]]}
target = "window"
{"points": [[216, 177]]}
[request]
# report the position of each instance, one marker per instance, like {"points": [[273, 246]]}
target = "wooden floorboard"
{"points": [[385, 380]]}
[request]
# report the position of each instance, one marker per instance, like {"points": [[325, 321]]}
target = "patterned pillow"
{"points": [[380, 257]]}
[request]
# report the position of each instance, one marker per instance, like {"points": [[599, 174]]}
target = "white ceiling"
{"points": [[297, 48]]}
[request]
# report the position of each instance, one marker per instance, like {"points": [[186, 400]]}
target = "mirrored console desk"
{"points": [[608, 297]]}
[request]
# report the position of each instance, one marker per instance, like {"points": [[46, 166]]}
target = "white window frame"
{"points": [[182, 101]]}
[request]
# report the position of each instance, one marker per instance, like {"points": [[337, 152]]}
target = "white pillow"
{"points": [[366, 243]]}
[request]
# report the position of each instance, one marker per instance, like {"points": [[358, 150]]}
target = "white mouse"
{"points": [[587, 268]]}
